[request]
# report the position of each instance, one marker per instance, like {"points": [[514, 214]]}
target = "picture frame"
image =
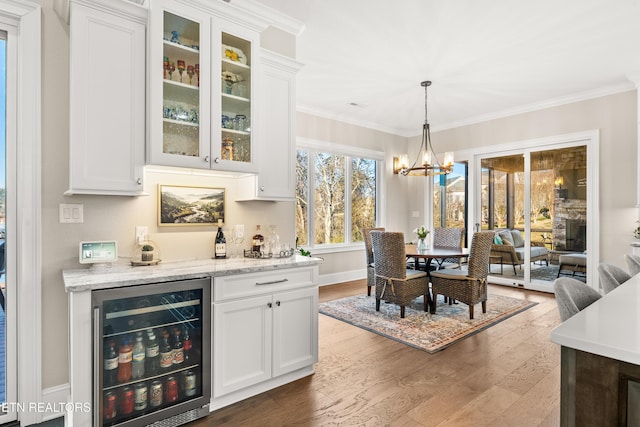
{"points": [[180, 205]]}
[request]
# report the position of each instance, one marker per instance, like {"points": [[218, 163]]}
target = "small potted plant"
{"points": [[147, 253]]}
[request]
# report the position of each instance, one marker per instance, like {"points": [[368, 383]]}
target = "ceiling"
{"points": [[486, 58]]}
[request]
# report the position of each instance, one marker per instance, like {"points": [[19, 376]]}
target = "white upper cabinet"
{"points": [[107, 98], [275, 143], [202, 81]]}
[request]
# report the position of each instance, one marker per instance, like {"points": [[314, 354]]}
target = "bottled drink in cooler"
{"points": [[152, 354], [138, 355], [125, 356], [110, 364], [187, 343], [166, 355], [177, 348]]}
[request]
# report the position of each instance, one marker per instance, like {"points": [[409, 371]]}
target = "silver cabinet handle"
{"points": [[269, 305], [206, 159], [139, 181], [97, 333], [262, 188], [217, 160], [278, 303], [272, 282]]}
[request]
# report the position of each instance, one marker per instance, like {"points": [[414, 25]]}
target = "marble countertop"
{"points": [[119, 275], [610, 327]]}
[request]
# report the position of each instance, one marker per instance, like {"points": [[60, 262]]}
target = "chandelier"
{"points": [[426, 162]]}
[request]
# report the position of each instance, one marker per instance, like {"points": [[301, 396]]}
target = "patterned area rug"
{"points": [[424, 331]]}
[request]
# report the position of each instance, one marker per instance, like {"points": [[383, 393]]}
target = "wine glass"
{"points": [[165, 66], [181, 68], [198, 73], [190, 73], [172, 68], [238, 238]]}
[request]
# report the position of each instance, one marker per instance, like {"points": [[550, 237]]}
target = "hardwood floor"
{"points": [[507, 375]]}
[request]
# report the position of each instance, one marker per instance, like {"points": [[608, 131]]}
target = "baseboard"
{"points": [[343, 276], [55, 398]]}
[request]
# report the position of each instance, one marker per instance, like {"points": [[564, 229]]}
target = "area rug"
{"points": [[424, 331]]}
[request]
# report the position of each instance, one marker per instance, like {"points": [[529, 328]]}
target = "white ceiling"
{"points": [[486, 58]]}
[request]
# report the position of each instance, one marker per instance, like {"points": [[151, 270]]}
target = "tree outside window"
{"points": [[342, 195]]}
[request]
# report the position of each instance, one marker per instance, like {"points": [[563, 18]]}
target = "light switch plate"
{"points": [[141, 233], [71, 214]]}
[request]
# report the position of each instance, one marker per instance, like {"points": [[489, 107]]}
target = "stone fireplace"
{"points": [[570, 225]]}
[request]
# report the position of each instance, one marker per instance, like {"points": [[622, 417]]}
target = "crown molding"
{"points": [[555, 102]]}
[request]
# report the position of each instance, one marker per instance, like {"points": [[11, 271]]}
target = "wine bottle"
{"points": [[221, 243]]}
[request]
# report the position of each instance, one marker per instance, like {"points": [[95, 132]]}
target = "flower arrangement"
{"points": [[421, 232]]}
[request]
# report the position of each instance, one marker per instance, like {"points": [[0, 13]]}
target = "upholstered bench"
{"points": [[575, 263]]}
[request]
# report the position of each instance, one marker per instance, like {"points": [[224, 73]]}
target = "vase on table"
{"points": [[422, 245]]}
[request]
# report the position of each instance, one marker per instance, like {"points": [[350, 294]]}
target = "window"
{"points": [[336, 195], [450, 198]]}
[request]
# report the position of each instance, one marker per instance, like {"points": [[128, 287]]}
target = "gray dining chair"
{"points": [[371, 276], [394, 282], [633, 262], [611, 277], [572, 296]]}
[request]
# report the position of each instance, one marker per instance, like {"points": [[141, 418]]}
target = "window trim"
{"points": [[314, 145]]}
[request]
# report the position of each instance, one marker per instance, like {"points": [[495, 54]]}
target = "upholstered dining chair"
{"points": [[450, 237], [633, 262], [611, 276], [371, 278], [394, 282], [572, 296], [470, 286]]}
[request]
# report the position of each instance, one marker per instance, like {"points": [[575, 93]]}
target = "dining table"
{"points": [[435, 252]]}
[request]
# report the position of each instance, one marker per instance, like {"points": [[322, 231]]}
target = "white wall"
{"points": [[615, 116], [114, 217]]}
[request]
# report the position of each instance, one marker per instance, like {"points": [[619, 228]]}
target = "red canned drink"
{"points": [[189, 383], [155, 395], [109, 409], [171, 390], [140, 401], [126, 401]]}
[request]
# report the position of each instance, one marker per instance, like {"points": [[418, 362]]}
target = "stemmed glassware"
{"points": [[181, 68], [172, 68], [190, 72], [237, 236]]}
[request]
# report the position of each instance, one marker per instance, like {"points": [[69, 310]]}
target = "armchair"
{"points": [[511, 251]]}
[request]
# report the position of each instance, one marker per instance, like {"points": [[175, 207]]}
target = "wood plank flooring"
{"points": [[507, 375]]}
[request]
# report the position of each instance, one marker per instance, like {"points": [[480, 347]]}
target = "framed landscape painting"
{"points": [[182, 205]]}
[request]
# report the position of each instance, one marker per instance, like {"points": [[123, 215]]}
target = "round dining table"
{"points": [[439, 252]]}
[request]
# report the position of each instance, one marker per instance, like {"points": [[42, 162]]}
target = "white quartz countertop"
{"points": [[120, 275], [610, 327]]}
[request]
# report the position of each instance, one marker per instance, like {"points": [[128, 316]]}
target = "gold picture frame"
{"points": [[188, 205]]}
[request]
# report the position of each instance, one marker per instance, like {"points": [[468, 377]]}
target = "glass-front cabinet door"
{"points": [[203, 78], [234, 102], [180, 87]]}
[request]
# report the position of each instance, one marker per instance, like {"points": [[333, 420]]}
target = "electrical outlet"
{"points": [[141, 233]]}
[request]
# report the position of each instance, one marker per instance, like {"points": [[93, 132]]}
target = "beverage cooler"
{"points": [[152, 360]]}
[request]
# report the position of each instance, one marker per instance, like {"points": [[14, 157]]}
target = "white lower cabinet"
{"points": [[265, 327]]}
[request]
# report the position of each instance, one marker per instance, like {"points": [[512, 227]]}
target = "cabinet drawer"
{"points": [[243, 285]]}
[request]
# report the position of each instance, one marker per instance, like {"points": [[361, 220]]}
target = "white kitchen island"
{"points": [[600, 360]]}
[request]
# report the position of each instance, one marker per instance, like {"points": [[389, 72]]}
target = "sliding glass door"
{"points": [[536, 201]]}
